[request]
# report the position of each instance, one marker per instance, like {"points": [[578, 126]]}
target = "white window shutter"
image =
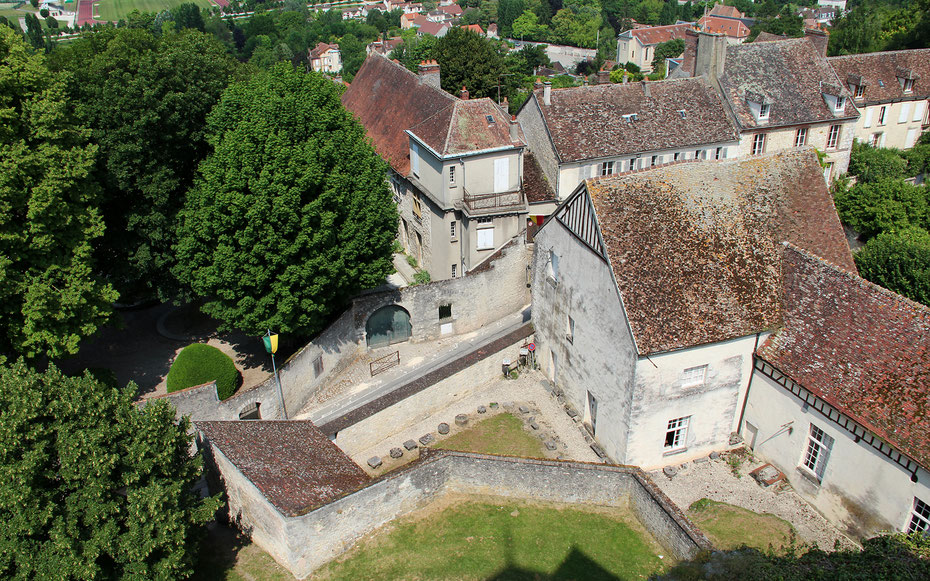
{"points": [[501, 174], [904, 113], [868, 117], [918, 111], [414, 158]]}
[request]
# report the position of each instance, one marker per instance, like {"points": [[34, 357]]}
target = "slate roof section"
{"points": [[863, 349], [535, 185], [696, 247], [292, 463], [388, 99], [587, 122], [789, 72], [464, 127], [885, 67]]}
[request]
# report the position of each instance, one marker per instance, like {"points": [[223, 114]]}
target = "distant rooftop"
{"points": [[879, 73]]}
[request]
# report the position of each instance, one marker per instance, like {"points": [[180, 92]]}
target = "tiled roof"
{"points": [[321, 48], [886, 67], [476, 28], [292, 463], [789, 72], [587, 122], [452, 9], [433, 28], [696, 247], [388, 99], [728, 26], [725, 11], [535, 185], [863, 349], [660, 34], [464, 127], [765, 36]]}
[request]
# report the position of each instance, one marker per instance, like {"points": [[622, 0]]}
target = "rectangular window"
{"points": [[485, 238], [833, 138], [676, 156], [881, 115], [452, 229], [763, 111], [758, 143], [677, 433], [904, 113], [453, 270], [451, 175], [652, 162], [318, 366], [415, 159], [918, 111], [875, 139], [860, 90], [800, 138], [693, 376], [908, 85], [570, 330], [720, 153], [501, 174], [840, 104], [445, 312], [817, 453], [552, 268], [699, 154], [417, 211], [868, 116], [632, 163], [920, 517], [607, 168]]}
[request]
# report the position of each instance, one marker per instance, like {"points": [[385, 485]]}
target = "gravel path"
{"points": [[714, 480]]}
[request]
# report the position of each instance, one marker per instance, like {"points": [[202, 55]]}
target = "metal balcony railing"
{"points": [[486, 203]]}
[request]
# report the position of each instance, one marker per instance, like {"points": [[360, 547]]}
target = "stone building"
{"points": [[638, 45], [325, 58], [891, 90], [651, 292]]}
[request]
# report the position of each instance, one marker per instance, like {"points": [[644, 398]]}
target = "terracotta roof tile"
{"points": [[321, 48], [879, 72], [725, 11], [587, 122], [728, 26], [659, 34], [696, 247], [292, 463], [465, 127], [863, 349], [535, 185]]}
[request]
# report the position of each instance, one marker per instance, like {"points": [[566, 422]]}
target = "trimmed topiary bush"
{"points": [[200, 363]]}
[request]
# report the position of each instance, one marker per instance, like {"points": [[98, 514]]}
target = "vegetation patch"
{"points": [[501, 434], [200, 363], [731, 527], [504, 539], [114, 10]]}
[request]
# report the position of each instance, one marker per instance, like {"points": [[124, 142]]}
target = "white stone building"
{"points": [[325, 58]]}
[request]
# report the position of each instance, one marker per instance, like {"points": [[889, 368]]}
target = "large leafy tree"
{"points": [[469, 60], [870, 164], [146, 98], [91, 486], [291, 214], [49, 298], [900, 261], [886, 204]]}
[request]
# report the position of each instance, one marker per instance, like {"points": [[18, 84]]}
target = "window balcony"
{"points": [[481, 204]]}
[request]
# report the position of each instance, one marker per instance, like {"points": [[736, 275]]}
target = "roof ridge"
{"points": [[455, 110], [881, 52]]}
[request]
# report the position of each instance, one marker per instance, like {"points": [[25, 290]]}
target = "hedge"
{"points": [[200, 363]]}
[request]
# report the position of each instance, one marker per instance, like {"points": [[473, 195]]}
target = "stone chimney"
{"points": [[711, 55], [514, 129], [463, 94], [603, 77], [819, 38], [428, 72], [547, 93], [646, 90]]}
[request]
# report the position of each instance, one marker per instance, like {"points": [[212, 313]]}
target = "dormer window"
{"points": [[834, 98], [906, 78], [630, 117], [764, 111], [759, 106], [908, 85], [859, 91], [840, 104]]}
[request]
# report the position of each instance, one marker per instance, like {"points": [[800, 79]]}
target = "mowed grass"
{"points": [[730, 527], [512, 540], [116, 9], [226, 557], [502, 434]]}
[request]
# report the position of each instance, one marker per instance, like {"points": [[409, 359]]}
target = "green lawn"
{"points": [[512, 540], [502, 434], [116, 9], [226, 557], [730, 527]]}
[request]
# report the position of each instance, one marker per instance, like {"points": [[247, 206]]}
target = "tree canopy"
{"points": [[899, 260], [469, 60], [91, 486], [290, 216], [49, 297], [886, 204]]}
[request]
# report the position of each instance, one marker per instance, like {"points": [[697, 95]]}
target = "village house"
{"points": [[437, 29], [839, 395], [582, 132], [325, 58], [457, 164], [734, 29], [651, 292], [638, 45], [891, 90], [384, 47]]}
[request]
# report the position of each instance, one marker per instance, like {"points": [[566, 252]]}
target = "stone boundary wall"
{"points": [[498, 290], [304, 543]]}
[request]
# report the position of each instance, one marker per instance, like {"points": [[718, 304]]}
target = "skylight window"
{"points": [[490, 118], [881, 83], [682, 113]]}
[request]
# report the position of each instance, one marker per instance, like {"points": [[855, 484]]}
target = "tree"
{"points": [[886, 204], [577, 23], [669, 49], [290, 215], [146, 99], [187, 15], [527, 26], [899, 261], [507, 12], [92, 486], [49, 297], [870, 164], [469, 60]]}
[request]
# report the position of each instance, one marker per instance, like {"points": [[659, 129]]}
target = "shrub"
{"points": [[412, 261], [44, 13], [899, 261], [200, 363], [421, 277], [871, 164]]}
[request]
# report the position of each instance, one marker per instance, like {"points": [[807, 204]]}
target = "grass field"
{"points": [[116, 9], [507, 540], [730, 527], [501, 434]]}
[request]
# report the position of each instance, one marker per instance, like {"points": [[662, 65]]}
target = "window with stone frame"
{"points": [[817, 452], [833, 137], [920, 517], [676, 435]]}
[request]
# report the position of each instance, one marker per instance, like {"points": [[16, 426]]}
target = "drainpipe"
{"points": [[752, 372]]}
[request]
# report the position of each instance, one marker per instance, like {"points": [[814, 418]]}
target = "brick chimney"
{"points": [[819, 38], [711, 55], [603, 77], [428, 72], [538, 84], [463, 94]]}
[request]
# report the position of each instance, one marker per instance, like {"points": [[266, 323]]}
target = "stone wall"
{"points": [[306, 542]]}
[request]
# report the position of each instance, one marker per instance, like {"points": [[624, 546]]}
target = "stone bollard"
{"points": [[444, 428], [461, 420], [397, 452], [374, 461]]}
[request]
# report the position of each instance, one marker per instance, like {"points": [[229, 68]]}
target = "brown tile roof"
{"points": [[463, 127], [728, 26], [863, 349], [535, 185], [433, 28], [452, 9], [696, 247], [869, 69], [766, 36], [587, 122], [660, 34], [294, 465], [790, 73], [724, 10], [321, 48], [388, 99]]}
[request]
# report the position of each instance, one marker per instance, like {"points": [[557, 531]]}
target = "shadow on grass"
{"points": [[218, 553], [576, 566]]}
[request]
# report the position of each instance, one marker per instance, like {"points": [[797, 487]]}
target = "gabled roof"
{"points": [[728, 26], [766, 36], [588, 123], [466, 127], [388, 99], [861, 348], [725, 11], [452, 9], [695, 247], [433, 28], [321, 48], [476, 28], [294, 465], [658, 34], [886, 67], [789, 72]]}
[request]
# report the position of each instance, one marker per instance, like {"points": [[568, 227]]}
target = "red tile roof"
{"points": [[476, 28], [879, 72], [463, 127], [728, 26], [696, 247], [294, 465], [433, 28], [660, 34], [321, 48], [724, 10], [861, 348]]}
